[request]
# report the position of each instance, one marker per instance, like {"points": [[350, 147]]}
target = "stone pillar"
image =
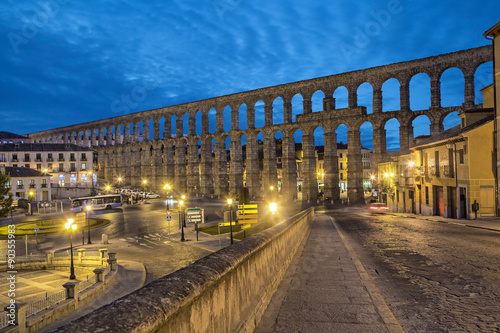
{"points": [[102, 254], [331, 164], [193, 169], [377, 99], [99, 274], [328, 103], [287, 112], [156, 129], [126, 159], [219, 120], [50, 256], [167, 132], [126, 133], [81, 254], [169, 165], [113, 264], [73, 138], [112, 255], [307, 104], [435, 93], [220, 169], [156, 170], [289, 168], [270, 171], [352, 97], [145, 131], [205, 125], [109, 136], [469, 98], [436, 128], [72, 291], [355, 167], [404, 95], [379, 148], [252, 167], [235, 120], [207, 185], [179, 128], [180, 167], [236, 168], [101, 136], [310, 183], [250, 118], [19, 310], [405, 132], [192, 125], [135, 161], [79, 138], [268, 114], [135, 133]]}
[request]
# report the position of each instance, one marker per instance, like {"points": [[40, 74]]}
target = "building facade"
{"points": [[28, 183], [66, 164]]}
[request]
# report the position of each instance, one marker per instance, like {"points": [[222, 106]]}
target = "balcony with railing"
{"points": [[44, 185], [60, 159], [32, 185], [20, 187], [50, 159]]}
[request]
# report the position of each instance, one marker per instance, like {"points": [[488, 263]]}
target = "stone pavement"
{"points": [[326, 289], [488, 223]]}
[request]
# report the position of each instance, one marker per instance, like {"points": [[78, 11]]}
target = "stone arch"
{"points": [[185, 124], [161, 125], [452, 89], [449, 119], [364, 95], [392, 126], [391, 95], [420, 91], [199, 122], [227, 115], [421, 125], [297, 105], [278, 110], [317, 100], [212, 120], [341, 96], [260, 116], [366, 133], [173, 126], [483, 76]]}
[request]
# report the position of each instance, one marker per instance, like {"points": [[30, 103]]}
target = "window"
{"points": [[14, 165], [461, 156], [27, 166], [436, 162], [72, 157], [38, 157], [340, 155], [61, 167], [450, 162], [49, 157], [61, 157], [72, 178], [72, 167], [39, 167], [341, 176], [84, 157], [32, 181], [2, 158], [84, 166], [26, 157], [14, 157], [49, 166], [427, 195], [341, 166]]}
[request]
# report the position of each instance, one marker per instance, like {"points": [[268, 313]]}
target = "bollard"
{"points": [[112, 263], [81, 254], [99, 272], [102, 253], [104, 239], [50, 256], [112, 255], [17, 311]]}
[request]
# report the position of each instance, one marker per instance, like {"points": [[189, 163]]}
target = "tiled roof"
{"points": [[41, 147], [9, 135], [23, 172]]}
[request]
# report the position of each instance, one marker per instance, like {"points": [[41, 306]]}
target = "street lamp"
{"points": [[70, 226], [230, 203], [30, 196], [107, 188], [144, 182], [167, 189], [181, 216], [411, 163], [88, 208], [273, 207]]}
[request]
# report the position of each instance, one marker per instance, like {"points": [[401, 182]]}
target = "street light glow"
{"points": [[88, 207], [183, 197], [181, 202], [372, 177], [392, 174], [273, 207], [411, 163], [386, 174], [229, 201]]}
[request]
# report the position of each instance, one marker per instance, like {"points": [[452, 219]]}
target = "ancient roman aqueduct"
{"points": [[203, 169]]}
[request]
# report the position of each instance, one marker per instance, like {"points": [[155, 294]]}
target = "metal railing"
{"points": [[84, 285], [4, 320], [46, 303]]}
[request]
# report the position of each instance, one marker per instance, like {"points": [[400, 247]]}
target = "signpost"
{"points": [[169, 218], [248, 213], [196, 215]]}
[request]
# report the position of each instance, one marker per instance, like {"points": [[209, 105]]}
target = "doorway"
{"points": [[438, 201]]}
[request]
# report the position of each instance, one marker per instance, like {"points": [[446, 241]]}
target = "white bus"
{"points": [[97, 202]]}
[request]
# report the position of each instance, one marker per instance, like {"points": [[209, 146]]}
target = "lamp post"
{"points": [[144, 182], [92, 182], [230, 203], [166, 188], [107, 188], [88, 208], [181, 216], [30, 196], [70, 226]]}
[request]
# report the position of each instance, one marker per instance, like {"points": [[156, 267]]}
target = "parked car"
{"points": [[152, 195], [378, 208]]}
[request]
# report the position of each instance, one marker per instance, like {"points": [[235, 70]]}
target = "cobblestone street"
{"points": [[434, 276]]}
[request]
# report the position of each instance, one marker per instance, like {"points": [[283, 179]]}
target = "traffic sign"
{"points": [[248, 211], [37, 229], [169, 213], [169, 218], [243, 207], [246, 226], [226, 224]]}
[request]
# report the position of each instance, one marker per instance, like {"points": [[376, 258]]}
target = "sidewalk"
{"points": [[490, 223], [326, 289]]}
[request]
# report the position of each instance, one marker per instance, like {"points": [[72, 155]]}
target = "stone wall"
{"points": [[227, 291]]}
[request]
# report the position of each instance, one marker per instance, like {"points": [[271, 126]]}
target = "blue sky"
{"points": [[65, 61]]}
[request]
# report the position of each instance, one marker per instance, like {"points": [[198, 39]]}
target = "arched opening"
{"points": [[162, 127], [482, 77], [278, 112], [366, 135], [141, 129], [392, 134], [226, 114], [421, 126], [260, 117], [317, 101], [452, 87], [242, 110], [198, 119], [451, 120], [365, 96], [297, 106], [212, 120], [173, 126], [341, 132], [420, 92], [390, 95], [341, 96], [185, 124]]}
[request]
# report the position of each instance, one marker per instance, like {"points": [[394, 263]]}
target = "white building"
{"points": [[67, 165], [28, 183]]}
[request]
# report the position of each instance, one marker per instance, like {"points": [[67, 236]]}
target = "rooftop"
{"points": [[41, 147], [9, 135], [15, 172]]}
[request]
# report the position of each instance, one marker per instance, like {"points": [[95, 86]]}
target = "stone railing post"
{"points": [[17, 312], [81, 254], [112, 263], [112, 255], [102, 254], [50, 256], [99, 274], [72, 291]]}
